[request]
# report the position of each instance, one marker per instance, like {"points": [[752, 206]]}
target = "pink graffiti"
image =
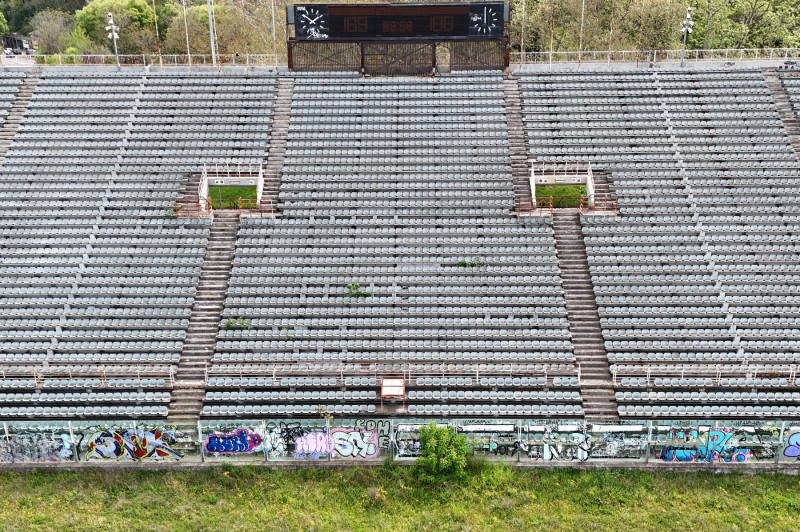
{"points": [[313, 444]]}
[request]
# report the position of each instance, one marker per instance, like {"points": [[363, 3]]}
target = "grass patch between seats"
{"points": [[563, 195], [230, 196]]}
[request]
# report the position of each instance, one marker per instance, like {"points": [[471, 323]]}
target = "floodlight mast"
{"points": [[686, 29], [113, 36]]}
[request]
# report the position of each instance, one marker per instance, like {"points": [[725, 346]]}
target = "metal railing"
{"points": [[654, 56], [252, 208], [519, 58], [161, 60], [598, 205], [102, 372], [528, 206], [199, 208], [564, 171], [705, 371]]}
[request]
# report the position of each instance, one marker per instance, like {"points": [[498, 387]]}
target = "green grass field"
{"points": [[230, 196], [390, 498], [563, 195]]}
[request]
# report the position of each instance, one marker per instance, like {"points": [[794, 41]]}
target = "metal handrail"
{"points": [[528, 206], [190, 208], [599, 205], [251, 207]]}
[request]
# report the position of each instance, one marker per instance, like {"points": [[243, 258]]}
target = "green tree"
{"points": [[52, 29], [3, 24], [444, 453], [135, 19]]}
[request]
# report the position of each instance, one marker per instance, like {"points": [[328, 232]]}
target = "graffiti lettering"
{"points": [[355, 443], [240, 442], [36, 448], [134, 444], [792, 449], [716, 445], [381, 427], [313, 445]]}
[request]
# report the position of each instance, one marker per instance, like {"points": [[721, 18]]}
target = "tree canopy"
{"points": [[245, 26]]}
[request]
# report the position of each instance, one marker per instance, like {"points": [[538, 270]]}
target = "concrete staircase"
{"points": [[201, 335], [13, 119], [277, 142], [602, 187], [784, 106], [520, 170], [597, 389]]}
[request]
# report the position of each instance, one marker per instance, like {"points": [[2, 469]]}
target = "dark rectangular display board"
{"points": [[319, 22]]}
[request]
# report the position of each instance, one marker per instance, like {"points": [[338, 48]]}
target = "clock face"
{"points": [[485, 21], [311, 22]]}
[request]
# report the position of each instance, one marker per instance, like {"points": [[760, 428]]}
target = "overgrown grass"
{"points": [[390, 498], [230, 196], [563, 195]]}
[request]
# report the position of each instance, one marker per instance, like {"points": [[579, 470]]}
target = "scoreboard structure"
{"points": [[386, 39]]}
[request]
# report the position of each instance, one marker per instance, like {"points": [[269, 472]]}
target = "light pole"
{"points": [[211, 30], [686, 29], [113, 35], [580, 36]]}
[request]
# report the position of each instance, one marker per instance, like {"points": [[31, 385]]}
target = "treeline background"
{"points": [[245, 26]]}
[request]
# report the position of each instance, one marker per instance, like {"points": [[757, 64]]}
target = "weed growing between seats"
{"points": [[391, 498]]}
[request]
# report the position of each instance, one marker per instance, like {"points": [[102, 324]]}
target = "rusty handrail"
{"points": [[252, 208]]}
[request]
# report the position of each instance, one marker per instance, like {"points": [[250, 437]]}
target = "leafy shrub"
{"points": [[354, 290], [238, 323], [444, 453], [476, 262]]}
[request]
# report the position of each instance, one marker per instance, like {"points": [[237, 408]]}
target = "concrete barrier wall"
{"points": [[355, 440]]}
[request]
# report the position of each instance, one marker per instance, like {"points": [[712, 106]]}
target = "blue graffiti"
{"points": [[694, 446], [240, 442], [793, 446]]}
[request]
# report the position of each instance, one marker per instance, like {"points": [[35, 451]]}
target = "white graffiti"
{"points": [[354, 443]]}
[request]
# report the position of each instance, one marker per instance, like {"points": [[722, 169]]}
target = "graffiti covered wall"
{"points": [[547, 440]]}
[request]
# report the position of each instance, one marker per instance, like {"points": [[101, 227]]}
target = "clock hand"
{"points": [[484, 15], [308, 19]]}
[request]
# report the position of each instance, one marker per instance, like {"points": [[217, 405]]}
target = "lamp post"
{"points": [[186, 30], [686, 29], [580, 36], [212, 30], [113, 35]]}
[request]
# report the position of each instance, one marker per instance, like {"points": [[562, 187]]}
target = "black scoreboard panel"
{"points": [[398, 21]]}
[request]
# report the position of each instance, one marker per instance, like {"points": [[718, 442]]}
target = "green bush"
{"points": [[238, 323], [354, 290], [476, 262], [444, 454]]}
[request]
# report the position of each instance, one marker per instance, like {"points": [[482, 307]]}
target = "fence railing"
{"points": [[654, 56], [408, 372], [598, 205], [102, 372], [252, 208], [162, 60], [705, 371], [519, 58], [528, 206], [199, 208]]}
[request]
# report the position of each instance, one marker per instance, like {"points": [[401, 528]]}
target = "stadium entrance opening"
{"points": [[229, 185]]}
